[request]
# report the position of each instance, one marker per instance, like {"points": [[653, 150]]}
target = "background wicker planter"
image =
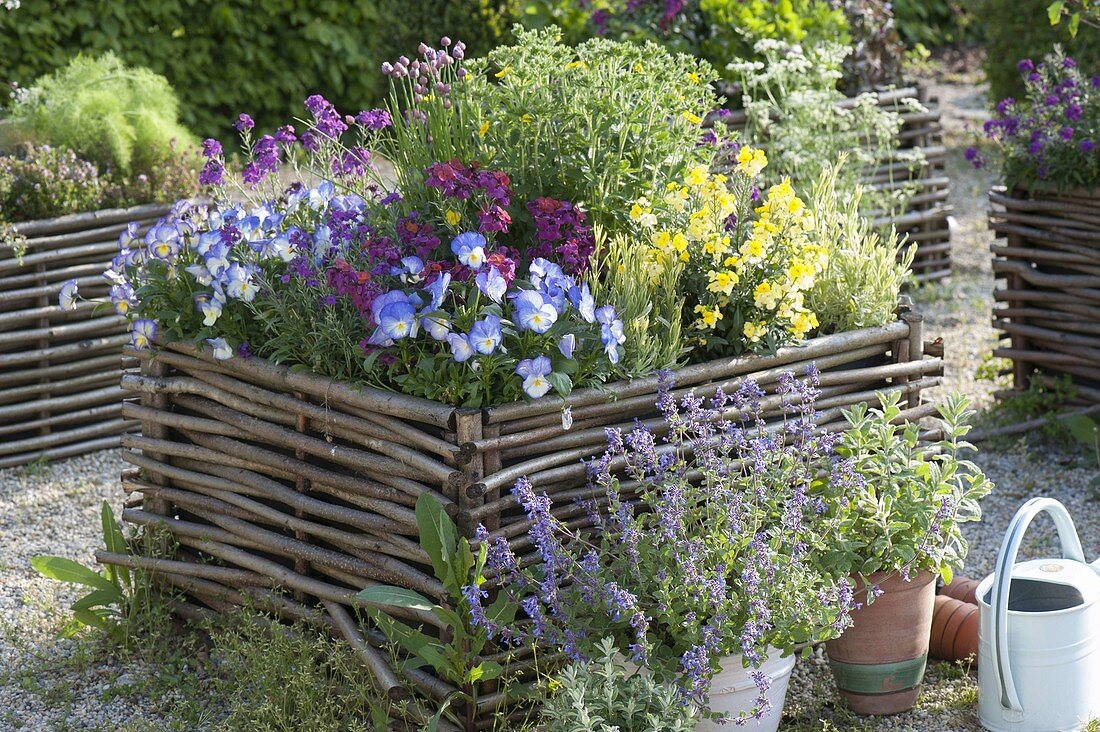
{"points": [[926, 220], [1047, 259], [291, 492], [59, 370]]}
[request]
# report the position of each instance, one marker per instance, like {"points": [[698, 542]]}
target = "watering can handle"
{"points": [[1002, 583]]}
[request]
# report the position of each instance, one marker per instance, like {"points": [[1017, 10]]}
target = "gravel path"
{"points": [[61, 685]]}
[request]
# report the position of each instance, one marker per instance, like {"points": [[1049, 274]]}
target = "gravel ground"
{"points": [[56, 685]]}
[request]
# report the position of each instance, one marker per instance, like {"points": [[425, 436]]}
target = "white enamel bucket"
{"points": [[1039, 635]]}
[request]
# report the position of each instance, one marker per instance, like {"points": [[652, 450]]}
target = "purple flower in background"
{"points": [[1087, 146], [326, 119], [1073, 112], [244, 123], [974, 157], [211, 148], [212, 173], [244, 350], [1026, 66]]}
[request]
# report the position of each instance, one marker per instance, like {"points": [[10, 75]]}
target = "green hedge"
{"points": [[229, 56], [1017, 29]]}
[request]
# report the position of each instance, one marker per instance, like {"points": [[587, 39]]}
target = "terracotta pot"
{"points": [[961, 588], [879, 661], [954, 629]]}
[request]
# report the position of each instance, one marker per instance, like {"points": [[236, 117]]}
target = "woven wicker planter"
{"points": [[926, 220], [1047, 259], [59, 370], [291, 491]]}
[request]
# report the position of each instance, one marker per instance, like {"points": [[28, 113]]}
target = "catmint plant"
{"points": [[706, 529]]}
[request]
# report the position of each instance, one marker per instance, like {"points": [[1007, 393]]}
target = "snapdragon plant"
{"points": [[702, 550]]}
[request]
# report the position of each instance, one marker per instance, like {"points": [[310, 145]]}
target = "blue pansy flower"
{"points": [[222, 350], [397, 320], [438, 326], [142, 334], [567, 344], [391, 297], [438, 290], [581, 298], [67, 297], [534, 373], [469, 247], [461, 349], [534, 312], [485, 336], [492, 283]]}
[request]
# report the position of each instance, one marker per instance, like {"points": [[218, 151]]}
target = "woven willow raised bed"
{"points": [[926, 220], [1047, 259], [289, 491], [59, 370]]}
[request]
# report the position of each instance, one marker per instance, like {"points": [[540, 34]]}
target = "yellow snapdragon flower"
{"points": [[802, 323], [708, 317], [751, 161], [697, 176], [692, 118], [755, 331], [722, 281], [767, 295], [452, 217]]}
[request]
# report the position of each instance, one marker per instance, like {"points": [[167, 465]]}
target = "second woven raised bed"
{"points": [[1047, 259], [59, 370]]}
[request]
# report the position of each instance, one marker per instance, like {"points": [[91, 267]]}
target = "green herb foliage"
{"points": [[905, 512], [864, 276], [112, 591], [603, 696]]}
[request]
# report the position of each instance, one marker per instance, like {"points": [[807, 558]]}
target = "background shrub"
{"points": [[123, 119], [941, 22], [1018, 29], [228, 56]]}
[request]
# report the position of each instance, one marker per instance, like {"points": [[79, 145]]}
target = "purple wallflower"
{"points": [[374, 119], [211, 148], [244, 123]]}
